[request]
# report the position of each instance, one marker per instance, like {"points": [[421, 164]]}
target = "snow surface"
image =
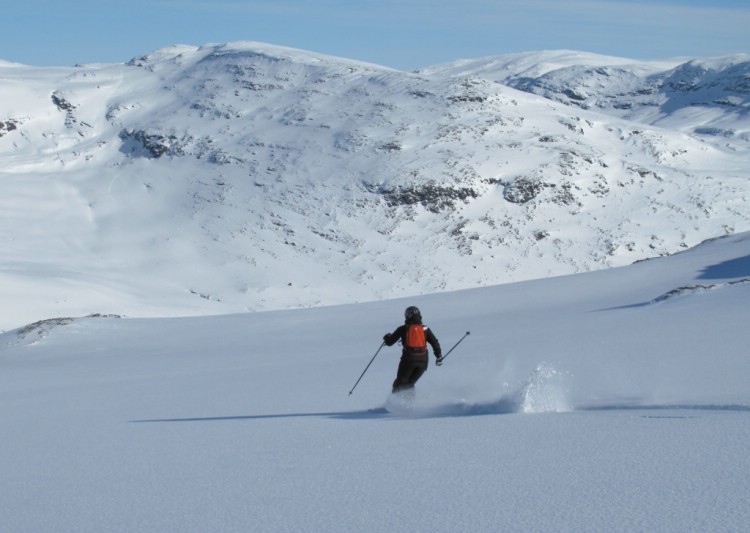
{"points": [[615, 400], [249, 177]]}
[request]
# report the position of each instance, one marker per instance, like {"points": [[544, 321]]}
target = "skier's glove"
{"points": [[439, 361], [386, 337]]}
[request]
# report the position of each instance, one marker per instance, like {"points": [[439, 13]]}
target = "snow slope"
{"points": [[615, 400], [706, 97], [246, 176]]}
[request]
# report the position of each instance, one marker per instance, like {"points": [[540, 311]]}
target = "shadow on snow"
{"points": [[500, 407], [733, 268], [667, 407]]}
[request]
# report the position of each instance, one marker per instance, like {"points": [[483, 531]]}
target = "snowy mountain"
{"points": [[702, 97], [245, 176]]}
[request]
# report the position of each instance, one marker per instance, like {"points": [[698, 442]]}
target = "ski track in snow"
{"points": [[544, 392]]}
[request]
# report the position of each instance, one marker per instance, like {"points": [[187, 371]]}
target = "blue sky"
{"points": [[403, 34]]}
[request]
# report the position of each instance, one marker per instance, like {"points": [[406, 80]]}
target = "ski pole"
{"points": [[454, 346], [368, 366]]}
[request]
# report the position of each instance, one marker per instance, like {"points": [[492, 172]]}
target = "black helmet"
{"points": [[412, 314]]}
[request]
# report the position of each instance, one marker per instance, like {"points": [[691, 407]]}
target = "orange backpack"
{"points": [[415, 341]]}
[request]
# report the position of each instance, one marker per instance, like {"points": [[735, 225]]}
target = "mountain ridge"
{"points": [[622, 87], [245, 176]]}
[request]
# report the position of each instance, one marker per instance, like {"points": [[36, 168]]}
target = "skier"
{"points": [[414, 337]]}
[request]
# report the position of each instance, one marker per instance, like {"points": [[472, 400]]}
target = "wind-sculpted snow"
{"points": [[243, 176], [693, 289], [38, 331]]}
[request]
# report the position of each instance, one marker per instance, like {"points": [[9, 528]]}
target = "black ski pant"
{"points": [[410, 369]]}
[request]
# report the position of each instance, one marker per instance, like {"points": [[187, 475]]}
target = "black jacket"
{"points": [[400, 335]]}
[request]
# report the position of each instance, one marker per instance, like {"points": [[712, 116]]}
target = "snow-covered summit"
{"points": [[705, 96], [227, 177]]}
